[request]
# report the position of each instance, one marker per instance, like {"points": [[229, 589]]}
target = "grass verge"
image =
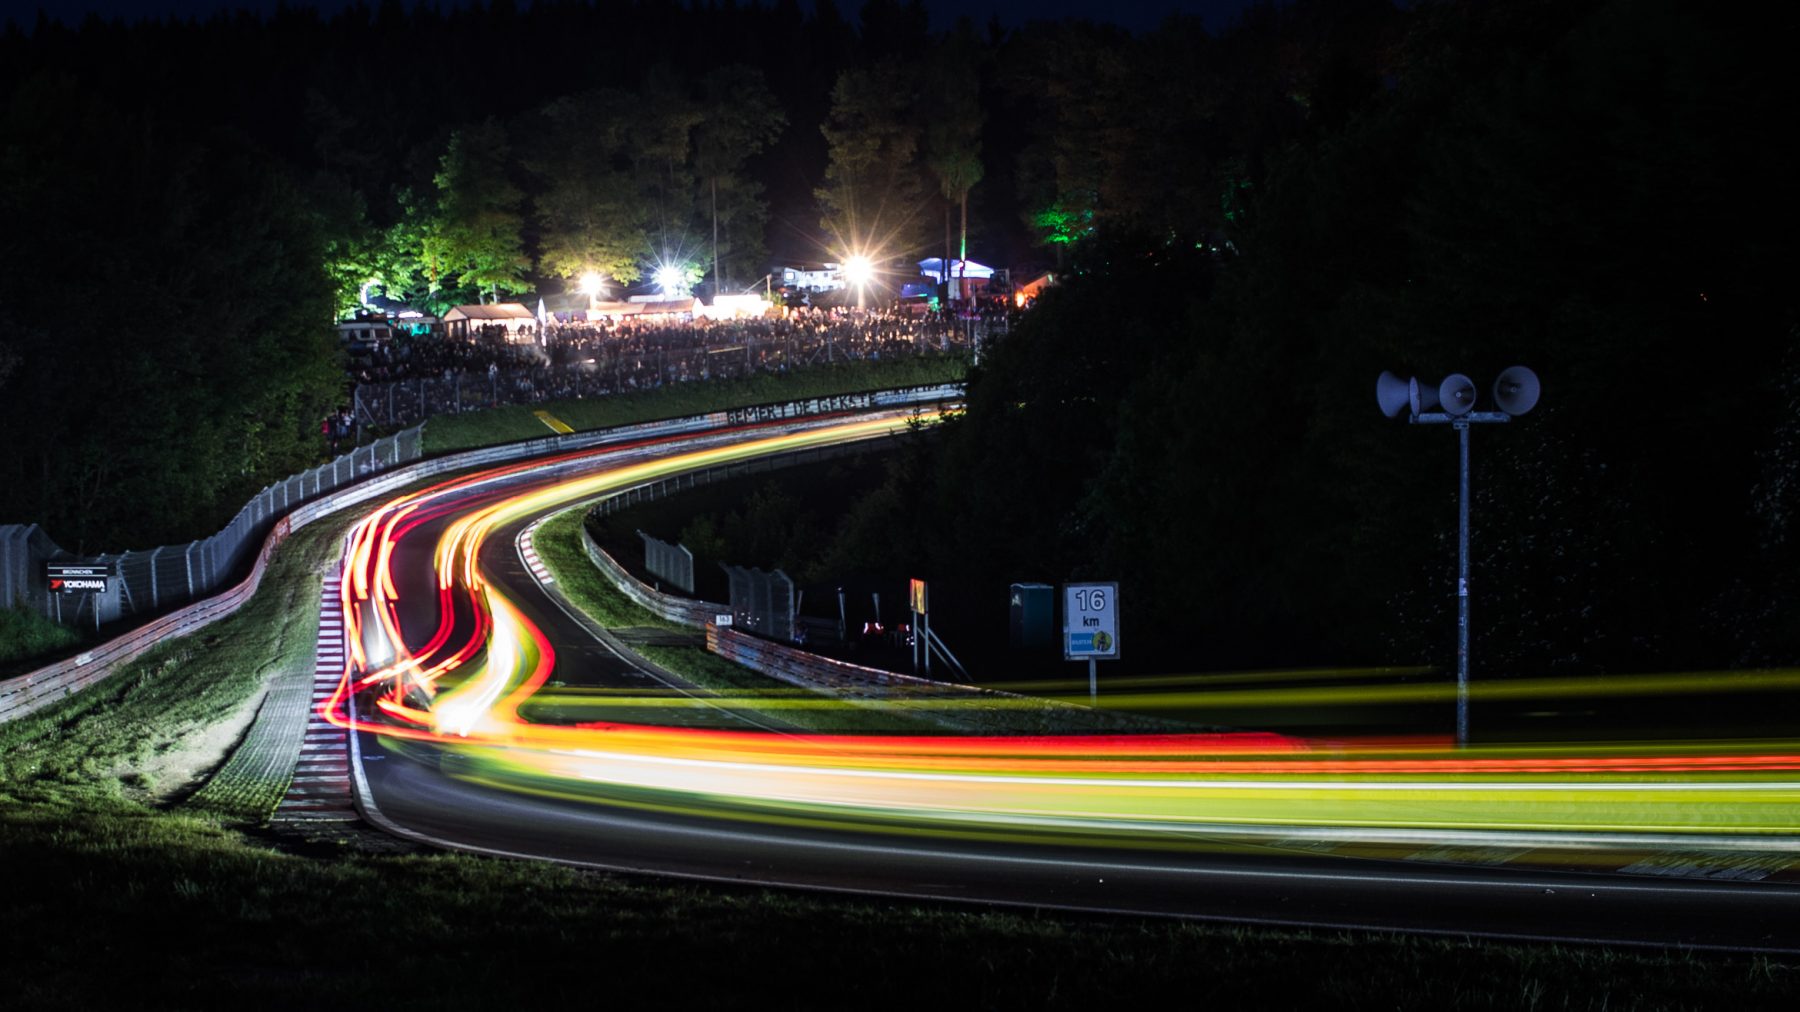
{"points": [[25, 635], [558, 543], [88, 749], [512, 422]]}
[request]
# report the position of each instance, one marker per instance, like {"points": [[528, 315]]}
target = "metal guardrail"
{"points": [[25, 693], [684, 610], [946, 704]]}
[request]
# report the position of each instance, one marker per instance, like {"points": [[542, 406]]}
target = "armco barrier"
{"points": [[684, 610], [968, 709], [25, 693]]}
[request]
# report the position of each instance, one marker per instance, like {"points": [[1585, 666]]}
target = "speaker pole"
{"points": [[1462, 591], [1516, 391]]}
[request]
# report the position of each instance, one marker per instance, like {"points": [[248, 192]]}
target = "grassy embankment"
{"points": [[112, 898], [512, 422], [558, 542], [25, 635]]}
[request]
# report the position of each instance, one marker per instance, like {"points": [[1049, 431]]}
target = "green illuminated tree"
{"points": [[589, 215], [479, 216]]}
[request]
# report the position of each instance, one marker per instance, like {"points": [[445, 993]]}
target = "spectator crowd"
{"points": [[404, 381]]}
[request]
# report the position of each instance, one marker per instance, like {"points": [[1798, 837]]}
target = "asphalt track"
{"points": [[413, 789]]}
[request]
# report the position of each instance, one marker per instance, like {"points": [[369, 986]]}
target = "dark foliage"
{"points": [[1582, 188]]}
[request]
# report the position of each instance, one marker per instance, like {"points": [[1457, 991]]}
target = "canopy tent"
{"points": [[730, 307], [933, 268], [647, 309], [468, 321], [1033, 288]]}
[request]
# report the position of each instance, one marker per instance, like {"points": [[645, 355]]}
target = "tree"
{"points": [[662, 152], [589, 215], [170, 316], [739, 118], [480, 221], [953, 128], [874, 191]]}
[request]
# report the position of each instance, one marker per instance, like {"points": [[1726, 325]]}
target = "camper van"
{"points": [[364, 335]]}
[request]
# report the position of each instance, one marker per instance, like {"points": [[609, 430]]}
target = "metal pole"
{"points": [[926, 643], [1462, 591], [912, 632], [1093, 682]]}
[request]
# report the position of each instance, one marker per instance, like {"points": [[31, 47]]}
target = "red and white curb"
{"points": [[320, 790], [528, 552]]}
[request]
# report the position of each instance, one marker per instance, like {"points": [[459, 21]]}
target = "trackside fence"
{"points": [[28, 692], [149, 582]]}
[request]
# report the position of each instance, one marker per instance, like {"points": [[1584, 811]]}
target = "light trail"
{"points": [[461, 688]]}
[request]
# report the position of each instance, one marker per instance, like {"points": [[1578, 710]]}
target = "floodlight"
{"points": [[858, 270]]}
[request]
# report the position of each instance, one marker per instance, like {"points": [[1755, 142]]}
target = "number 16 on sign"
{"points": [[1091, 626]]}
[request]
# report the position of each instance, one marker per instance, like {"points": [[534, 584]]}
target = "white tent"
{"points": [[933, 268]]}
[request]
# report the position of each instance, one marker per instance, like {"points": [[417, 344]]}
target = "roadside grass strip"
{"points": [[513, 422], [26, 635]]}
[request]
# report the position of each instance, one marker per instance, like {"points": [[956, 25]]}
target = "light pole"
{"points": [[1516, 392]]}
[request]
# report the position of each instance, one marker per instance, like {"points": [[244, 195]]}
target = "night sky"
{"points": [[1136, 14]]}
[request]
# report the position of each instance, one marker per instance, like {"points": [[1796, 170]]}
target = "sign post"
{"points": [[920, 597], [1091, 627]]}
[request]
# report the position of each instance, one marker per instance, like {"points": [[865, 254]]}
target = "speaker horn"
{"points": [[1393, 394], [1424, 398], [1457, 393], [1517, 390]]}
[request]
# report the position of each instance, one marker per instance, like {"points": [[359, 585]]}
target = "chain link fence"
{"points": [[149, 582]]}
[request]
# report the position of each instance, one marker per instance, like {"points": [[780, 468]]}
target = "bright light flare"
{"points": [[858, 270], [671, 279], [592, 284]]}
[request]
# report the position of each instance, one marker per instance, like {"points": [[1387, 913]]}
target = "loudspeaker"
{"points": [[1516, 391], [1393, 394], [1457, 393], [1423, 398]]}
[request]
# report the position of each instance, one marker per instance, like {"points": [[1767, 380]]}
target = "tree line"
{"points": [[189, 204], [1589, 189]]}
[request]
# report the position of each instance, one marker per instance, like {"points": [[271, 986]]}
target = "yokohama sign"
{"points": [[78, 578]]}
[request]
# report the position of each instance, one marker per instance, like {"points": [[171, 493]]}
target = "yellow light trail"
{"points": [[1166, 790]]}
